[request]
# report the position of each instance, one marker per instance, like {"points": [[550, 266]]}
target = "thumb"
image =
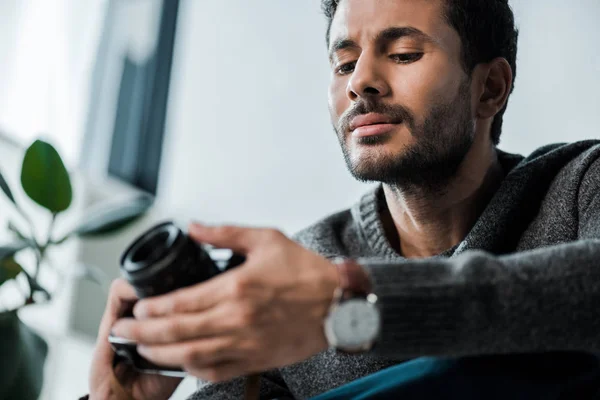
{"points": [[239, 239]]}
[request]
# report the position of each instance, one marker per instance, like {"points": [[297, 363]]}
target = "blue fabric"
{"points": [[548, 376]]}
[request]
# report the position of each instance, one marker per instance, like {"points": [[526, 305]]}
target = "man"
{"points": [[464, 252]]}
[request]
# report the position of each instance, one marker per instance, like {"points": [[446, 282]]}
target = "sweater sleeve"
{"points": [[546, 299]]}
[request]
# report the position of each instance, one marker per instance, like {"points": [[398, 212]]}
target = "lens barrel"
{"points": [[165, 259]]}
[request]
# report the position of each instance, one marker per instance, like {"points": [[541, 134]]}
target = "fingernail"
{"points": [[114, 331], [142, 349]]}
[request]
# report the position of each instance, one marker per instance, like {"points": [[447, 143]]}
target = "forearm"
{"points": [[478, 303]]}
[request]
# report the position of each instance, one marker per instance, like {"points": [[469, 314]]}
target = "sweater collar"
{"points": [[369, 209]]}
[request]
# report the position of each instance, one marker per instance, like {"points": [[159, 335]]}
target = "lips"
{"points": [[372, 124]]}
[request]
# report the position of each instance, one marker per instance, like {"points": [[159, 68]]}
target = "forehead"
{"points": [[361, 20]]}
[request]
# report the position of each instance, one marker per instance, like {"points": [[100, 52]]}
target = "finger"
{"points": [[121, 294], [191, 299], [178, 328], [193, 354], [238, 239]]}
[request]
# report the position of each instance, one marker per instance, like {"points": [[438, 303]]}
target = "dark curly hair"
{"points": [[486, 29]]}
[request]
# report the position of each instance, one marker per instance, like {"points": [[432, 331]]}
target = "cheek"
{"points": [[431, 82], [338, 101]]}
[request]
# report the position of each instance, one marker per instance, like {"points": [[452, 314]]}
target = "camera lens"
{"points": [[165, 259], [153, 249], [162, 260]]}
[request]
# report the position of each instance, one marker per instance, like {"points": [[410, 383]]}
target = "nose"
{"points": [[367, 80]]}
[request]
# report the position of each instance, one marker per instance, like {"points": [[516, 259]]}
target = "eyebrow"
{"points": [[341, 44], [384, 37]]}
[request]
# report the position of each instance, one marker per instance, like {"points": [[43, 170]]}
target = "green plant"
{"points": [[46, 181]]}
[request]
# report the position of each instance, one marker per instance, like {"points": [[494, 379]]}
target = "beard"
{"points": [[442, 142]]}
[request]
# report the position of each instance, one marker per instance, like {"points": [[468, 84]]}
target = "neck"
{"points": [[425, 224]]}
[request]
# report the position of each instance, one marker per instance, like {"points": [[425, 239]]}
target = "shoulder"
{"points": [[326, 236], [570, 155], [589, 186], [570, 165], [345, 233], [577, 165], [590, 161]]}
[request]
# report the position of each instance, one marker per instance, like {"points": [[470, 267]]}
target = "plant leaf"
{"points": [[23, 357], [112, 218], [10, 250], [6, 189], [45, 178], [9, 269]]}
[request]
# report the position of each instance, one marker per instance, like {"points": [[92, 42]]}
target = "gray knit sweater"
{"points": [[526, 279]]}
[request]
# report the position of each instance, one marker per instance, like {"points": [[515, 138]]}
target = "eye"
{"points": [[345, 69], [406, 58]]}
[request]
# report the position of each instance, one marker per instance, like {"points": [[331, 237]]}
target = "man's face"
{"points": [[399, 98]]}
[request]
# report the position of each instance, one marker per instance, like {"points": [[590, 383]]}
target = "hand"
{"points": [[266, 314], [124, 382]]}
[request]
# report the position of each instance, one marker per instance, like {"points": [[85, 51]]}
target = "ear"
{"points": [[496, 83]]}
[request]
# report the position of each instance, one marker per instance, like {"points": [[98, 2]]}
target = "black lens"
{"points": [[165, 259], [153, 249]]}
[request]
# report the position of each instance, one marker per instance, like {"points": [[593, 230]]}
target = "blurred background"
{"points": [[219, 109]]}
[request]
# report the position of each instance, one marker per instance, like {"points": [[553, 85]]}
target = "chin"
{"points": [[374, 154], [369, 167], [376, 163]]}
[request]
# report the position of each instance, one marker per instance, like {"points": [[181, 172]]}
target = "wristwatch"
{"points": [[354, 320]]}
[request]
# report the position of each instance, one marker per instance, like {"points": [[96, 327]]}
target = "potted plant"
{"points": [[46, 181]]}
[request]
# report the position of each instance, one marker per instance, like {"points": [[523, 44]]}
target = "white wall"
{"points": [[248, 132], [558, 74], [249, 138], [47, 50]]}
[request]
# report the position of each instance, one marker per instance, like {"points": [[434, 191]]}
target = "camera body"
{"points": [[161, 260]]}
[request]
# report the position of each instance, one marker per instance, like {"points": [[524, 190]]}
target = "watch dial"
{"points": [[356, 323]]}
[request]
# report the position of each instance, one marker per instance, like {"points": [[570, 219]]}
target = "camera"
{"points": [[162, 260]]}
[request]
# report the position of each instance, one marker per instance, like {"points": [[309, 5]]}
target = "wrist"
{"points": [[352, 277], [111, 390], [329, 285], [353, 324]]}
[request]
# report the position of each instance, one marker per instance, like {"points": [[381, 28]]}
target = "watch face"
{"points": [[355, 324]]}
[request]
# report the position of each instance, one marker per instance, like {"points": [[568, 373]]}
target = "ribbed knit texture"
{"points": [[526, 279]]}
